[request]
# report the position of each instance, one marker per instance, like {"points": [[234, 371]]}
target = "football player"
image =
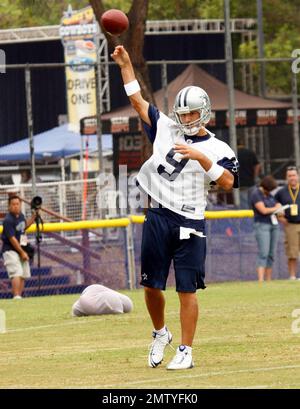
{"points": [[186, 159]]}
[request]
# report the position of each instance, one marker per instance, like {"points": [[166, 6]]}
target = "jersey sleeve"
{"points": [[231, 163], [153, 114]]}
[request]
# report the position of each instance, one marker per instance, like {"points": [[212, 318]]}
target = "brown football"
{"points": [[114, 21]]}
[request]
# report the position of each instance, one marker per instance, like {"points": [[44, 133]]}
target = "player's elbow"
{"points": [[227, 185], [226, 182], [137, 102], [141, 107]]}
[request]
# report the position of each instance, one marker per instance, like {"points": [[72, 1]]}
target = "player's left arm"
{"points": [[219, 172]]}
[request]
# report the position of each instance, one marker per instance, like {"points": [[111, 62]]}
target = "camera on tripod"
{"points": [[36, 203]]}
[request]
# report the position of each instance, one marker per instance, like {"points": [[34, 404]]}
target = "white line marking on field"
{"points": [[203, 375], [62, 324], [77, 321], [83, 321]]}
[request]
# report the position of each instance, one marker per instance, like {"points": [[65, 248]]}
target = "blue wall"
{"points": [[48, 85]]}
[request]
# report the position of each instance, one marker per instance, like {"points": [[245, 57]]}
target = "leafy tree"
{"points": [[281, 24], [278, 74], [172, 9], [133, 40], [28, 13]]}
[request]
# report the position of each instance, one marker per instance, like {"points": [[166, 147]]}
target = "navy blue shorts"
{"points": [[161, 245]]}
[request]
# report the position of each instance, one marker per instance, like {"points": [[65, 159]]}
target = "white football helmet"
{"points": [[191, 99]]}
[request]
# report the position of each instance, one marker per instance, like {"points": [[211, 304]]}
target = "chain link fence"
{"points": [[71, 260], [67, 199], [231, 252], [68, 265]]}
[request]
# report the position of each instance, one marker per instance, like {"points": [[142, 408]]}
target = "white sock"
{"points": [[161, 331], [189, 349]]}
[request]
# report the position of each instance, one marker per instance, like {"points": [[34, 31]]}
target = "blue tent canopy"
{"points": [[54, 144]]}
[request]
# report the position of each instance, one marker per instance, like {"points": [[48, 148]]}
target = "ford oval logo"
{"points": [[81, 64]]}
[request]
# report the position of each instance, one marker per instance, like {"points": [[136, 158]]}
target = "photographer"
{"points": [[16, 251]]}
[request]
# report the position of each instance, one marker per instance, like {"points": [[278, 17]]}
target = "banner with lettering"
{"points": [[78, 32], [127, 148], [253, 117]]}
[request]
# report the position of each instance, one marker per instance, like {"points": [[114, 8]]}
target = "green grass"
{"points": [[243, 339]]}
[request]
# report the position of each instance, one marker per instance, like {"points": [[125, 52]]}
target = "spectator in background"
{"points": [[266, 226], [289, 194], [248, 171], [26, 177], [16, 259], [97, 299]]}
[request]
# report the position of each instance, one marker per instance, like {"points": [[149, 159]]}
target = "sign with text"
{"points": [[78, 32], [127, 150], [253, 117]]}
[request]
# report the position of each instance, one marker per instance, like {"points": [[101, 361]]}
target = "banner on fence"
{"points": [[78, 32]]}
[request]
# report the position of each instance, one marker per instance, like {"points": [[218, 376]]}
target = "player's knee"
{"points": [[152, 291], [187, 297]]}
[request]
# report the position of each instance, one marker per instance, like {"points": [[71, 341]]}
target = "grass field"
{"points": [[244, 340]]}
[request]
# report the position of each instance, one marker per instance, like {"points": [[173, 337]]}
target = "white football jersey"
{"points": [[181, 185]]}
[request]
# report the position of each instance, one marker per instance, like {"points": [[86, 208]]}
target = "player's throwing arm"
{"points": [[131, 85]]}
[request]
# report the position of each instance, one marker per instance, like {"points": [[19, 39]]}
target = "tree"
{"points": [[278, 74], [281, 26], [172, 9], [133, 40], [28, 13]]}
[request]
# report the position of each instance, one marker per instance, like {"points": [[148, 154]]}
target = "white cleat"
{"points": [[159, 343], [182, 360]]}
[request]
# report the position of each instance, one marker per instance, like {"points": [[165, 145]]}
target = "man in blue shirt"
{"points": [[289, 195], [16, 260], [248, 173]]}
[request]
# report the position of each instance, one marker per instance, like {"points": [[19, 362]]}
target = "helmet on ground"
{"points": [[191, 99]]}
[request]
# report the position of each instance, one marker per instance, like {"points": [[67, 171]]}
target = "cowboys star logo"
{"points": [[236, 165]]}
